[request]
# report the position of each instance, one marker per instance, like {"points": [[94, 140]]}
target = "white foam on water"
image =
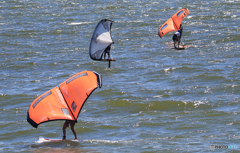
{"points": [[109, 141], [41, 140], [78, 23], [158, 96]]}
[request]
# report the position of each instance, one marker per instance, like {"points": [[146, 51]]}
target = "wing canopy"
{"points": [[77, 89], [101, 39], [66, 101], [173, 23]]}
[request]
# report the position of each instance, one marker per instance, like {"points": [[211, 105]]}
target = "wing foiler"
{"points": [[173, 23], [65, 101], [101, 41]]}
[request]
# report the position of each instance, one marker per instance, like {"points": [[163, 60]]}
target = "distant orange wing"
{"points": [[168, 26], [66, 101], [179, 16], [173, 23]]}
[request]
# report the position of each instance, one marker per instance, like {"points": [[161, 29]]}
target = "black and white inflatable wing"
{"points": [[101, 39]]}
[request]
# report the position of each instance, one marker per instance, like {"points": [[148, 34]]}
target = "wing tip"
{"points": [[99, 79], [30, 121]]}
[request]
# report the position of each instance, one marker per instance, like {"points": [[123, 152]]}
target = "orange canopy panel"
{"points": [[173, 24], [64, 102], [179, 16], [49, 106], [77, 89], [168, 26]]}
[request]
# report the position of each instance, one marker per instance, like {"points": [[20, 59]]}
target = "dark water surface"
{"points": [[153, 99]]}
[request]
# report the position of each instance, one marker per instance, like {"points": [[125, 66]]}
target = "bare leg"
{"points": [[178, 41], [74, 132], [174, 44], [64, 131]]}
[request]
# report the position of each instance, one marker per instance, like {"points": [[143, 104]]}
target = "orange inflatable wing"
{"points": [[173, 23], [179, 16], [168, 26], [66, 101], [47, 107], [78, 88]]}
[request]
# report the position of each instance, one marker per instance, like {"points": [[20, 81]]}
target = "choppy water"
{"points": [[153, 99]]}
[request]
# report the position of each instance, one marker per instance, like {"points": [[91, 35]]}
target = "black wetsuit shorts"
{"points": [[175, 38]]}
